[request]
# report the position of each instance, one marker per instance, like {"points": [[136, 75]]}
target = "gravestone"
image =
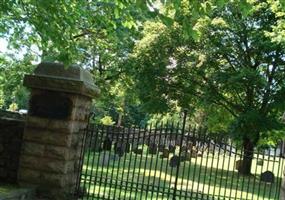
{"points": [[165, 153], [107, 144], [128, 147], [161, 147], [171, 148], [120, 148], [174, 161], [238, 165], [138, 151], [199, 154], [183, 148], [267, 177], [96, 143], [183, 156], [152, 149], [194, 152]]}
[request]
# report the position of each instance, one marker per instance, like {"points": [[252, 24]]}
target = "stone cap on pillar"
{"points": [[57, 77]]}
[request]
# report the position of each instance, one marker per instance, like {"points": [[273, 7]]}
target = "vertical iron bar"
{"points": [[228, 168], [135, 162], [195, 164], [224, 142], [238, 175], [278, 175], [201, 134], [190, 135], [212, 163], [161, 163], [131, 133], [207, 138], [145, 164], [151, 161], [255, 173], [167, 161], [282, 174], [275, 149], [176, 134], [233, 174], [184, 165], [114, 138], [156, 162], [119, 137], [140, 162], [97, 169], [259, 185], [81, 161], [268, 160], [217, 167], [108, 163], [124, 163], [88, 164], [181, 142]]}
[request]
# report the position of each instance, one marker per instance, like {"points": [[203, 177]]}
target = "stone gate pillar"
{"points": [[59, 107]]}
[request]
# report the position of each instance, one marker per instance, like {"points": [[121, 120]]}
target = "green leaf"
{"points": [[166, 20]]}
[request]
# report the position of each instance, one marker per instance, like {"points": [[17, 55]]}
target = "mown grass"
{"points": [[150, 177]]}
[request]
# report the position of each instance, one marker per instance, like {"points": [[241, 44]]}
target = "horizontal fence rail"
{"points": [[171, 161]]}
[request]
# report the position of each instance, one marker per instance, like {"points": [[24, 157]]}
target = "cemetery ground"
{"points": [[144, 176]]}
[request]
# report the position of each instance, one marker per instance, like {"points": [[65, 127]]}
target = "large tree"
{"points": [[231, 63]]}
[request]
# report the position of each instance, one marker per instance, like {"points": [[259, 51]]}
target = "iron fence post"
{"points": [[179, 155]]}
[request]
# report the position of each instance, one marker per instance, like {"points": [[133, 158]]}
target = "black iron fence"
{"points": [[171, 161]]}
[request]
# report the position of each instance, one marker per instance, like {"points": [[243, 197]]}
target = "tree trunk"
{"points": [[248, 147]]}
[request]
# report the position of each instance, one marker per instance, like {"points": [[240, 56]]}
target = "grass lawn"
{"points": [[150, 177]]}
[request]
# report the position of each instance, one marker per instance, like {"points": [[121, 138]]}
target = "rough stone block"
{"points": [[29, 175], [53, 180], [57, 152], [57, 166], [31, 162], [47, 137], [62, 126], [31, 148]]}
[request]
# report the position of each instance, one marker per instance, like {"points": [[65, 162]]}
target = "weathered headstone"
{"points": [[194, 152], [267, 177], [171, 148], [128, 147], [152, 149], [161, 147], [199, 154], [238, 165], [138, 151], [96, 144], [107, 144], [165, 153], [174, 161], [183, 156], [120, 148]]}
